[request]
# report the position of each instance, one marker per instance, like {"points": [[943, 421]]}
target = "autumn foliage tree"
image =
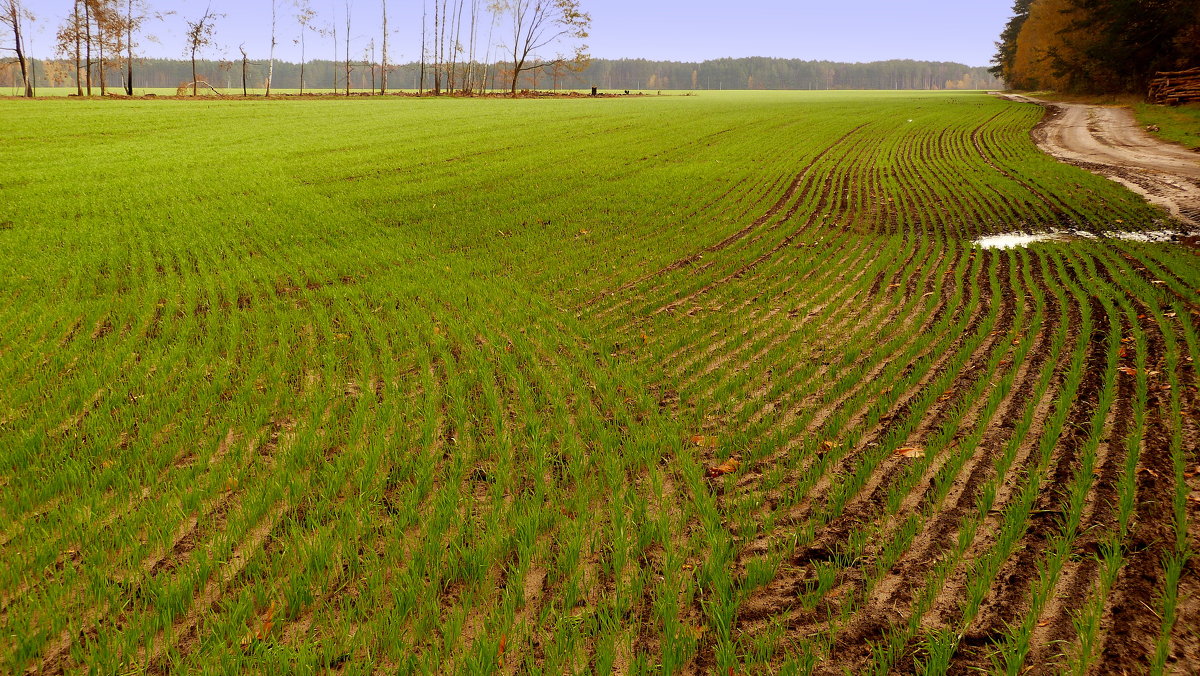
{"points": [[1006, 48], [1097, 45]]}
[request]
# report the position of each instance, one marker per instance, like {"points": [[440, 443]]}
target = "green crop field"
{"points": [[690, 384]]}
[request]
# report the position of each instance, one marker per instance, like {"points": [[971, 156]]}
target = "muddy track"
{"points": [[1108, 141], [788, 195]]}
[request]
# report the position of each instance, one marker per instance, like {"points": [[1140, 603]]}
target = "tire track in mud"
{"points": [[939, 518], [1131, 633], [1017, 459], [1008, 598], [1057, 209], [822, 201], [793, 434], [752, 611], [800, 181]]}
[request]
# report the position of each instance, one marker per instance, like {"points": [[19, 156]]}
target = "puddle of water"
{"points": [[1150, 236], [1016, 239]]}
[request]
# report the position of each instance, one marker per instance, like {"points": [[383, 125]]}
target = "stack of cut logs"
{"points": [[1175, 88]]}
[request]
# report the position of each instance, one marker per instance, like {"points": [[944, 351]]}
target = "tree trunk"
{"points": [[129, 49], [302, 29], [87, 27], [421, 83], [193, 71], [470, 77], [454, 47], [383, 64], [271, 66], [334, 33], [100, 45], [78, 65], [437, 48], [20, 49], [348, 67]]}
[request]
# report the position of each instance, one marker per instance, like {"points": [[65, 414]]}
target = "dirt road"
{"points": [[1110, 142]]}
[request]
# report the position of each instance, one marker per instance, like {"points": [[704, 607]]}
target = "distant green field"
{"points": [[251, 91], [170, 91], [716, 383]]}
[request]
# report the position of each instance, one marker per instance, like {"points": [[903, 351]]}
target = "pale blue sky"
{"points": [[686, 30]]}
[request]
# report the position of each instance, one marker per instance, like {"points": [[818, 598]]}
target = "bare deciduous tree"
{"points": [[12, 14], [108, 35], [136, 14], [424, 15], [69, 42], [383, 67], [305, 15], [271, 64], [200, 35], [349, 66], [245, 66], [536, 24]]}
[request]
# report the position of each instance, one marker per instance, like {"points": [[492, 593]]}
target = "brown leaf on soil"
{"points": [[265, 630], [728, 467], [1128, 370], [703, 441], [828, 445], [911, 452]]}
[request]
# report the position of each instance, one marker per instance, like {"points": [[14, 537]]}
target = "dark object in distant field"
{"points": [[593, 91]]}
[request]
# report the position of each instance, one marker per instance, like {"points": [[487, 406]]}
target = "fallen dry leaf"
{"points": [[265, 630], [1128, 370], [703, 441], [911, 452], [728, 467]]}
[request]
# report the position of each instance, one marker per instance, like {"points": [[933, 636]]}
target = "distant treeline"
{"points": [[743, 73], [1098, 46]]}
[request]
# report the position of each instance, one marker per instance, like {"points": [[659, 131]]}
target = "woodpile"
{"points": [[1177, 87]]}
